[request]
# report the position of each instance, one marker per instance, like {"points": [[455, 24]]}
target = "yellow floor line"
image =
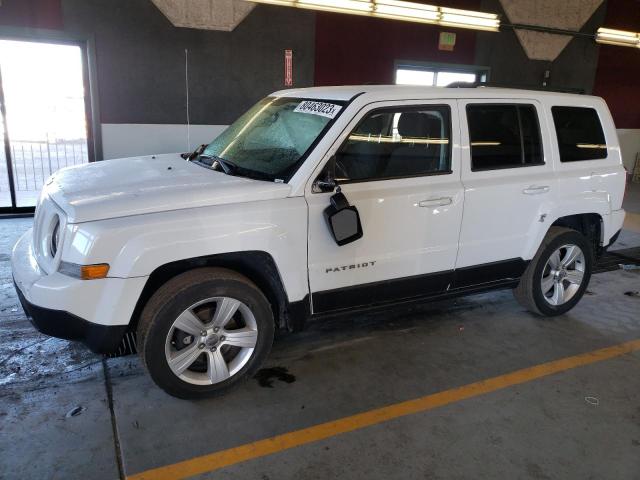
{"points": [[268, 446]]}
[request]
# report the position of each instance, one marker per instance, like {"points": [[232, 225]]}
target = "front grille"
{"points": [[47, 216]]}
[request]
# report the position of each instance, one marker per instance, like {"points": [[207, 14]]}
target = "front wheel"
{"points": [[204, 331], [558, 275]]}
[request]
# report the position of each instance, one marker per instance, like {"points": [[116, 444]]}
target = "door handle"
{"points": [[536, 190], [436, 202]]}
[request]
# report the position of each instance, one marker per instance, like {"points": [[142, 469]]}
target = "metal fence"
{"points": [[34, 161]]}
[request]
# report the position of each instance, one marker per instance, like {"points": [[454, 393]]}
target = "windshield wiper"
{"points": [[231, 168], [228, 167], [191, 155]]}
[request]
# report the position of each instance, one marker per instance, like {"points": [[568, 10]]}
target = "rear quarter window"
{"points": [[580, 134]]}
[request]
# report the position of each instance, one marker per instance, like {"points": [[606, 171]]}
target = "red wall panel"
{"points": [[355, 50], [31, 13], [618, 72]]}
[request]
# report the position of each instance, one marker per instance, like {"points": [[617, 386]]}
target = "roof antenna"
{"points": [[186, 81]]}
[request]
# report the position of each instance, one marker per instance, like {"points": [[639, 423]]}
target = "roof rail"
{"points": [[521, 87]]}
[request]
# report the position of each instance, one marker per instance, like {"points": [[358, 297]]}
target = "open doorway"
{"points": [[44, 117]]}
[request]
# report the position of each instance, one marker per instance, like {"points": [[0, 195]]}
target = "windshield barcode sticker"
{"points": [[329, 110]]}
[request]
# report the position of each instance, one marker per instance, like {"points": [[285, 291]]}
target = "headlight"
{"points": [[55, 236]]}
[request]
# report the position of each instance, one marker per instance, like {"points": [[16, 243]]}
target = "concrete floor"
{"points": [[542, 429]]}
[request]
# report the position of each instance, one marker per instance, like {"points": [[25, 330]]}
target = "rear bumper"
{"points": [[61, 324], [616, 219], [613, 239]]}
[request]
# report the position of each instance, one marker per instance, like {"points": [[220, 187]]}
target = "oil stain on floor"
{"points": [[266, 376]]}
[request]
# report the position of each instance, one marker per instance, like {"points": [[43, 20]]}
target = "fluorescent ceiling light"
{"points": [[618, 37], [409, 11], [337, 5], [399, 10], [340, 6], [469, 19]]}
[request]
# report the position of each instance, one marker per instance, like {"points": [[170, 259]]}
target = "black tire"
{"points": [[529, 291], [178, 294]]}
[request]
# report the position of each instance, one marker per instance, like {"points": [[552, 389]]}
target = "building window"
{"points": [[435, 75], [579, 132], [504, 136]]}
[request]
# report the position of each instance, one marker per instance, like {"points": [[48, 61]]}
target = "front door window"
{"points": [[397, 143]]}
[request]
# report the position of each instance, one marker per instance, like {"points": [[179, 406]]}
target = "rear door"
{"points": [[509, 187], [399, 164]]}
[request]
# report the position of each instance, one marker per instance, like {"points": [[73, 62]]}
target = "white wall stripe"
{"points": [[629, 145], [131, 139]]}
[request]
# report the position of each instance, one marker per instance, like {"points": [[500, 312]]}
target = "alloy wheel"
{"points": [[211, 340], [563, 274]]}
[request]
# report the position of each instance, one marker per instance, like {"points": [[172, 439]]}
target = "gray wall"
{"points": [[140, 60], [574, 68], [140, 68]]}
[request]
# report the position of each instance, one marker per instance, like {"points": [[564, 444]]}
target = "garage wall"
{"points": [[574, 68], [140, 65], [141, 60], [618, 78], [141, 77], [357, 50], [141, 70], [352, 49], [31, 13]]}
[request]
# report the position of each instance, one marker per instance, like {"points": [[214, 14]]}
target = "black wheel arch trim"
{"points": [[590, 224], [257, 265]]}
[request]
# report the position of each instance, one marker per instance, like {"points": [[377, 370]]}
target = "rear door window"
{"points": [[579, 132], [504, 136]]}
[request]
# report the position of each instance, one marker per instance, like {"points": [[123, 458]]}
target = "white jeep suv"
{"points": [[322, 200]]}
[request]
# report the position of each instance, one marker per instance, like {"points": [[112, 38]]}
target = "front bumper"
{"points": [[95, 312], [61, 324]]}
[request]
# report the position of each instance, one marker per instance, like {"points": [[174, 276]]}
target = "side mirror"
{"points": [[323, 186], [343, 220], [326, 183]]}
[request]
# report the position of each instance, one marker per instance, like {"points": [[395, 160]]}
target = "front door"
{"points": [[398, 163]]}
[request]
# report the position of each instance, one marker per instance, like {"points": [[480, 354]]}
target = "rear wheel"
{"points": [[558, 275], [204, 331]]}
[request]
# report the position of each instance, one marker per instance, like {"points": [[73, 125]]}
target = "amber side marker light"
{"points": [[84, 272]]}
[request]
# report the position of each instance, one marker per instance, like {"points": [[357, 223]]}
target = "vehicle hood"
{"points": [[150, 184]]}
